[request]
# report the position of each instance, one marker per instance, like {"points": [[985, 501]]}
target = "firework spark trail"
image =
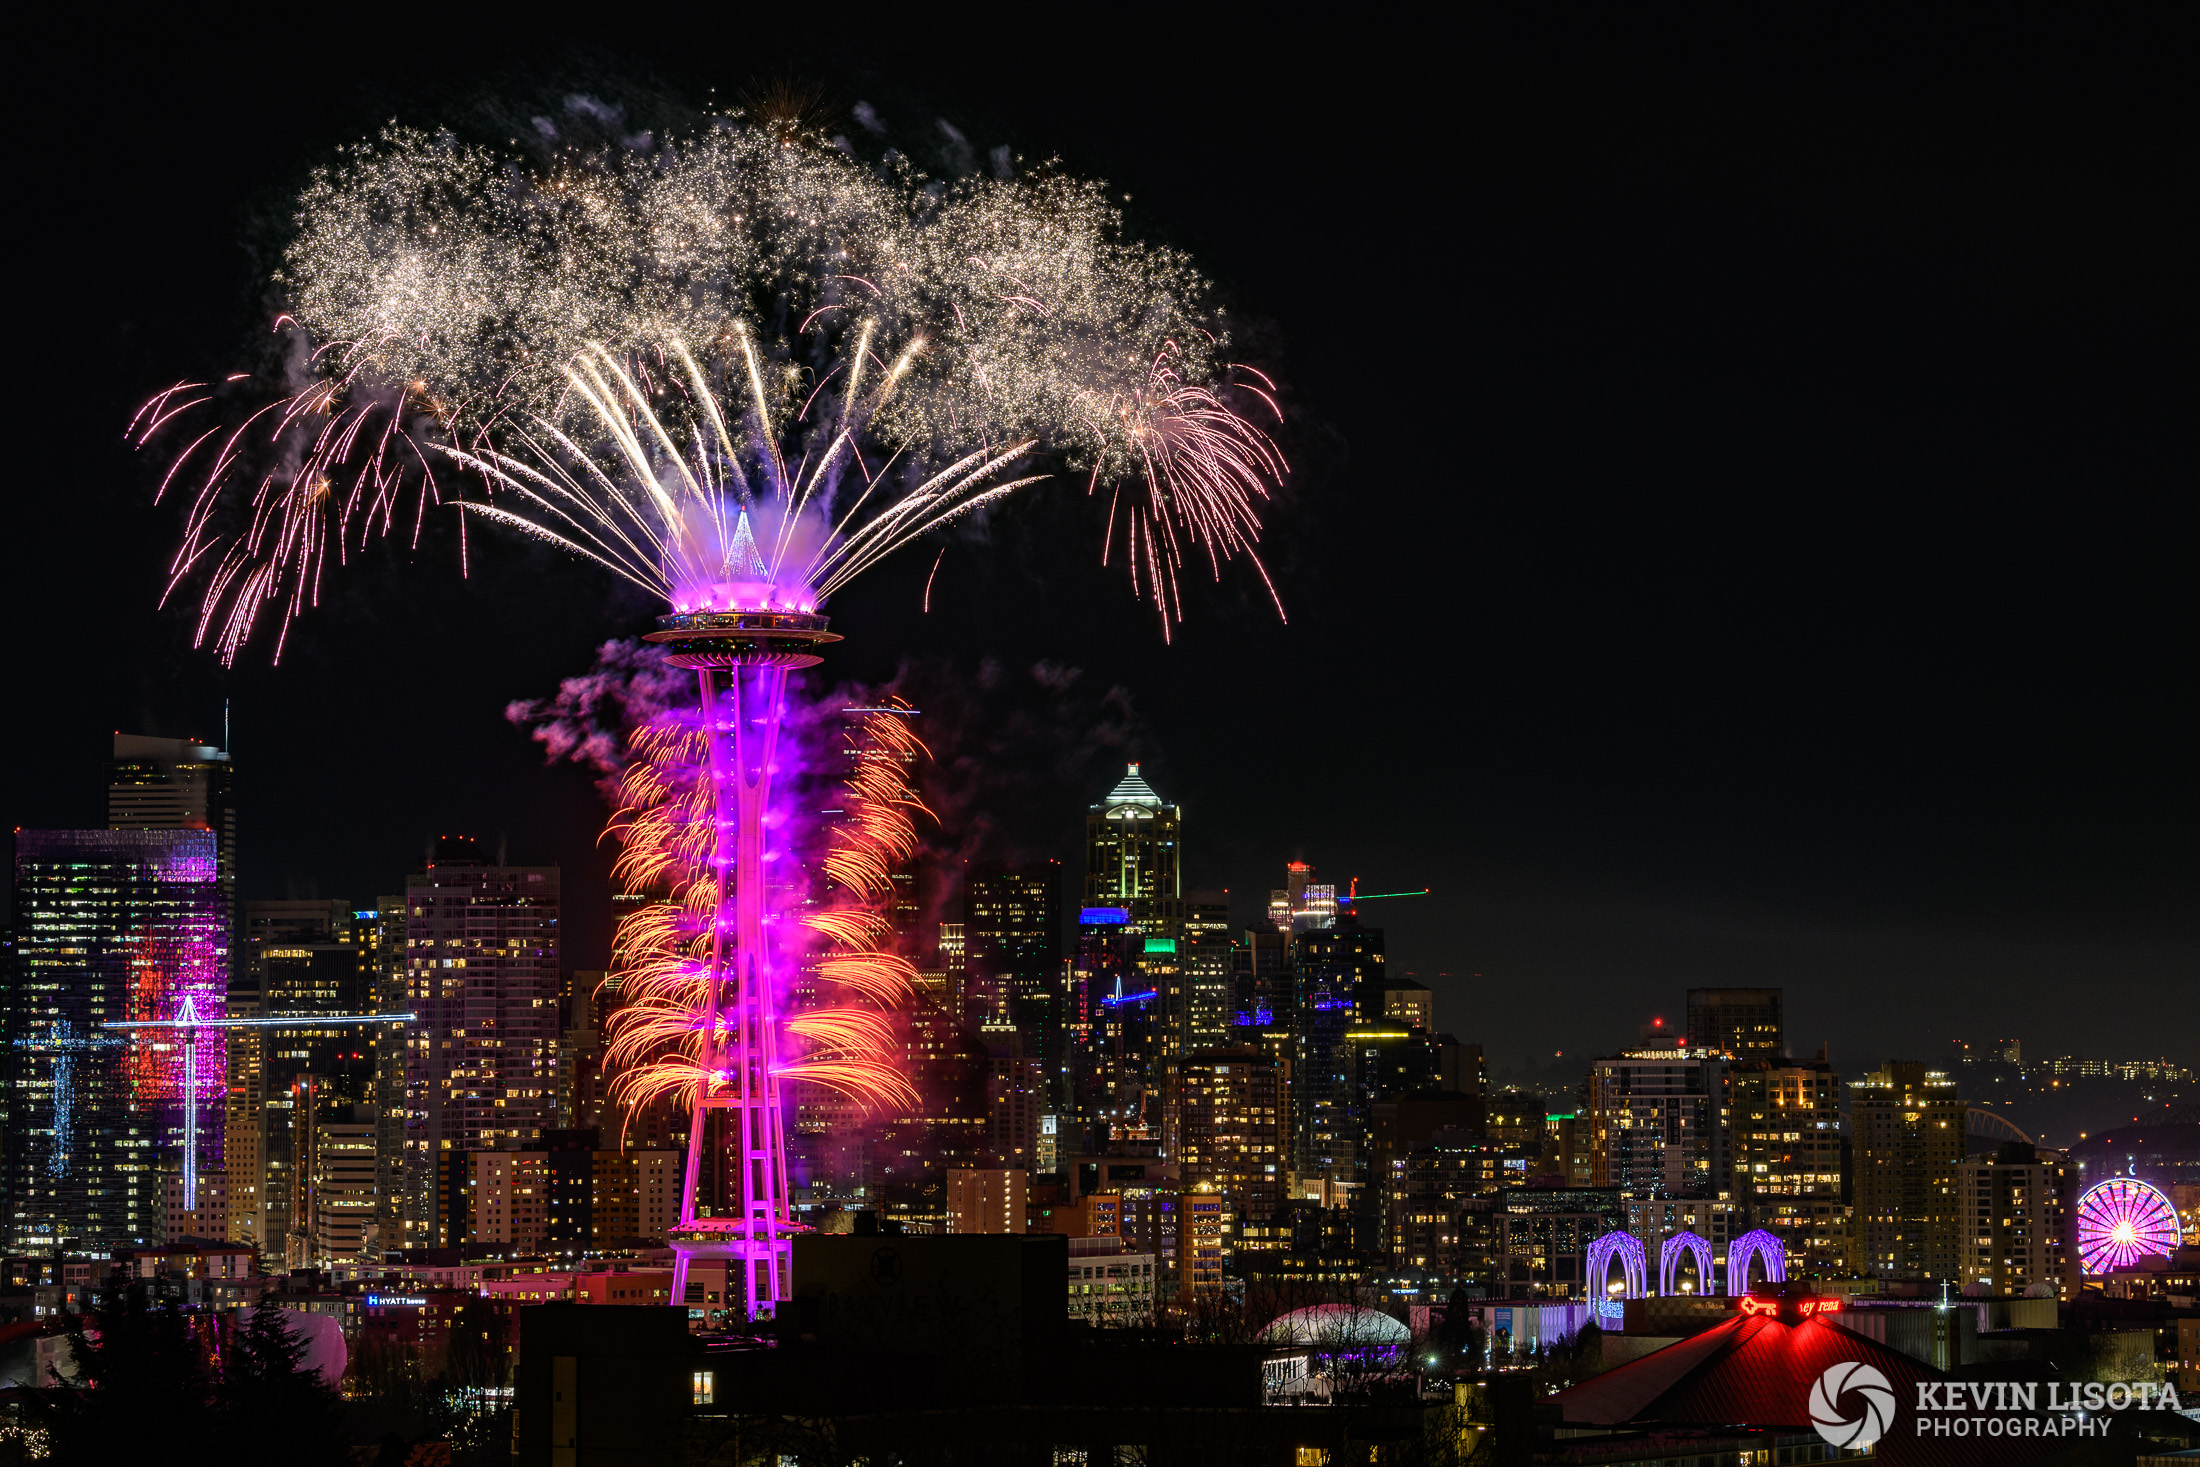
{"points": [[600, 357], [449, 306], [661, 952]]}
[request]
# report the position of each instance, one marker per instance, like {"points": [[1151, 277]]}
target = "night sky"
{"points": [[1741, 534]]}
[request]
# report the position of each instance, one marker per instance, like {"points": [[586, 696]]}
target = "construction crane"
{"points": [[1353, 895], [188, 1021]]}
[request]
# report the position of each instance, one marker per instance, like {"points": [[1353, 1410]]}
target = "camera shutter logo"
{"points": [[1852, 1386]]}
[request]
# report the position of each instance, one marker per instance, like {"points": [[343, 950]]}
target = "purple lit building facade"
{"points": [[112, 926]]}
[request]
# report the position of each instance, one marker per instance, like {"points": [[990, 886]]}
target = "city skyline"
{"points": [[790, 738]]}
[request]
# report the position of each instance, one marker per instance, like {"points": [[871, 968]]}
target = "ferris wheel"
{"points": [[2121, 1221]]}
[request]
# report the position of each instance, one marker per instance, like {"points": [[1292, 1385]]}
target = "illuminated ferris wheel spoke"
{"points": [[2121, 1221]]}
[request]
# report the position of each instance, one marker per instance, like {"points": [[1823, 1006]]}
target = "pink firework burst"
{"points": [[2121, 1221]]}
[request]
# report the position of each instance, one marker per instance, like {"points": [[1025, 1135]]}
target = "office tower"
{"points": [[111, 926], [1201, 1007], [1407, 1003], [2010, 1219], [1132, 857], [1906, 1129], [1016, 1099], [303, 961], [1338, 977], [1742, 1023], [1226, 1128], [980, 1200], [1011, 947], [178, 784], [1658, 1119], [342, 1204], [1790, 1160], [1302, 905], [481, 971]]}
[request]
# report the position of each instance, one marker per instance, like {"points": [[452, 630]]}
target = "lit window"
{"points": [[705, 1383]]}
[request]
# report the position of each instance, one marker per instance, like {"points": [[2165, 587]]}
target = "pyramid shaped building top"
{"points": [[743, 562], [1132, 791]]}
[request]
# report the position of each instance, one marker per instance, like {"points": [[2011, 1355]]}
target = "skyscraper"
{"points": [[1908, 1125], [1659, 1124], [111, 926], [303, 959], [1132, 857], [1746, 1023], [1201, 1012], [481, 971], [2010, 1219], [1339, 980], [1303, 904], [1227, 1128], [178, 784], [1791, 1160], [1011, 936]]}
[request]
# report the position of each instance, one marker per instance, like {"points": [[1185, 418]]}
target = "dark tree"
{"points": [[140, 1377], [271, 1407]]}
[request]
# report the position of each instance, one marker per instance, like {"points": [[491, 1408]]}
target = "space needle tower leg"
{"points": [[741, 661]]}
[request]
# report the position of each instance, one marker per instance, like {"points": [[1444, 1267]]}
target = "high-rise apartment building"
{"points": [[1226, 1128], [1744, 1023], [1907, 1132], [1016, 1100], [344, 1229], [111, 926], [2010, 1219], [481, 971], [1659, 1123], [1200, 1003], [981, 1200], [1791, 1161]]}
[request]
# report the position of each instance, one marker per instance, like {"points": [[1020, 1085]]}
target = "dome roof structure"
{"points": [[1337, 1327]]}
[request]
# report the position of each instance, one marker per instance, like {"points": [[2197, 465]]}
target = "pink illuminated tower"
{"points": [[741, 661]]}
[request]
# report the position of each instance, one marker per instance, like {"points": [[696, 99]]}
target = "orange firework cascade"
{"points": [[668, 1038]]}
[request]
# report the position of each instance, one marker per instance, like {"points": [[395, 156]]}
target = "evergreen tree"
{"points": [[139, 1377], [271, 1407]]}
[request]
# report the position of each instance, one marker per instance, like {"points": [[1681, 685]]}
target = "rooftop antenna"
{"points": [[225, 725]]}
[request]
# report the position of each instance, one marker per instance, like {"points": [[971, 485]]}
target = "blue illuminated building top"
{"points": [[1104, 916]]}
